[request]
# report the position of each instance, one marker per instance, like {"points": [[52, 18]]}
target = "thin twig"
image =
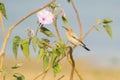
{"points": [[78, 18], [44, 76], [77, 72], [2, 25], [42, 73], [61, 77], [55, 25], [91, 28]]}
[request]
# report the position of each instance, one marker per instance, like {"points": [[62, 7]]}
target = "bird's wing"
{"points": [[75, 37]]}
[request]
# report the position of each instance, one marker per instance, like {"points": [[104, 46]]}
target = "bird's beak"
{"points": [[64, 27]]}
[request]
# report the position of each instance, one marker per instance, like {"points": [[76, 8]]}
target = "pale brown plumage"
{"points": [[72, 37]]}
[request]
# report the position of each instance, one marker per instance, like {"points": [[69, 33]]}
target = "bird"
{"points": [[73, 38]]}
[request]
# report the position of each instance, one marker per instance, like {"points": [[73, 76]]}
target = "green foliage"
{"points": [[107, 20], [18, 65], [64, 19], [15, 45], [25, 47], [3, 11], [47, 32], [61, 46], [45, 61], [35, 42], [57, 51], [42, 43], [41, 53], [19, 76], [56, 69], [108, 29]]}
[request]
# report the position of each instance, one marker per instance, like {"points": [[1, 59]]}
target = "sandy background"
{"points": [[87, 70]]}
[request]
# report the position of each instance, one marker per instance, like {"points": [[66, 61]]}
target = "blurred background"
{"points": [[105, 51]]}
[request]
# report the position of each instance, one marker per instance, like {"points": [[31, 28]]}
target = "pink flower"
{"points": [[63, 13], [45, 17]]}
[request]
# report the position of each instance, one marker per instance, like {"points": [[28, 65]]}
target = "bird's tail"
{"points": [[86, 48]]}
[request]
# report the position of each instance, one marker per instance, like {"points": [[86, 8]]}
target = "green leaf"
{"points": [[18, 65], [41, 53], [61, 46], [19, 76], [25, 47], [55, 55], [68, 0], [47, 32], [3, 11], [15, 45], [56, 69], [64, 19], [46, 40], [42, 42], [35, 42], [108, 30], [45, 62], [107, 20]]}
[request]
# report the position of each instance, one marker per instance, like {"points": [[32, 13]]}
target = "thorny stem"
{"points": [[2, 52], [78, 18]]}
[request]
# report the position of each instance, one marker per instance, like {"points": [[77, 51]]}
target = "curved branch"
{"points": [[71, 60], [78, 18], [56, 29]]}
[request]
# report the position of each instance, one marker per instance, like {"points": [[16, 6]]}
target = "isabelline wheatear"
{"points": [[73, 38]]}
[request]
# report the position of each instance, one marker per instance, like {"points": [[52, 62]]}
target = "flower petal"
{"points": [[45, 17]]}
